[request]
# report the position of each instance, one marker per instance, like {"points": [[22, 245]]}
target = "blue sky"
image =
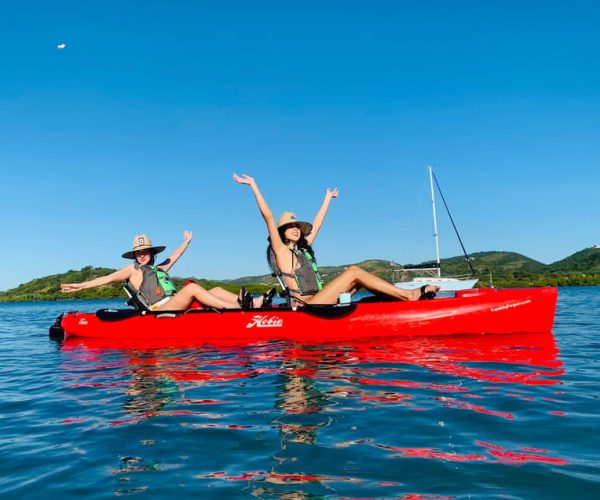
{"points": [[137, 125]]}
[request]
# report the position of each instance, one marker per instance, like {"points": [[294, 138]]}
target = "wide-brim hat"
{"points": [[142, 242], [289, 218]]}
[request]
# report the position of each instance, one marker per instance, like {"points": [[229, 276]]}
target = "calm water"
{"points": [[506, 417]]}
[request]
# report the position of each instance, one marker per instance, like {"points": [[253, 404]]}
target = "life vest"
{"points": [[156, 284], [307, 277]]}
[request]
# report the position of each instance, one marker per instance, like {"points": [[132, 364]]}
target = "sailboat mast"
{"points": [[435, 228]]}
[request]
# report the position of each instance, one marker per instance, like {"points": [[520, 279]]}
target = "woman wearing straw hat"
{"points": [[153, 283], [291, 245]]}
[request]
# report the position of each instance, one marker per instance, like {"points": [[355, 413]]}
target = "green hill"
{"points": [[381, 268], [498, 262], [586, 261], [506, 269], [512, 269], [48, 287]]}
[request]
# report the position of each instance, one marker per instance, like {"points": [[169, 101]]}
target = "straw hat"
{"points": [[289, 218], [142, 242]]}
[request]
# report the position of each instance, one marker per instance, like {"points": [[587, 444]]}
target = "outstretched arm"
{"points": [[120, 275], [320, 217], [265, 211], [187, 238]]}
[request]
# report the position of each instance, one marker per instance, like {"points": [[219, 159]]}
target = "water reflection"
{"points": [[300, 400], [300, 390], [148, 392], [371, 370]]}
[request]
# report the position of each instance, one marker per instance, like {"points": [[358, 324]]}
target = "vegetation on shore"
{"points": [[48, 287], [505, 269]]}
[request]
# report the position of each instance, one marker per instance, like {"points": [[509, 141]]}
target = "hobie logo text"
{"points": [[266, 321]]}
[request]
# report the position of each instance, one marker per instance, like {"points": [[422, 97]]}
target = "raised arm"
{"points": [[320, 217], [187, 238], [265, 211], [120, 275]]}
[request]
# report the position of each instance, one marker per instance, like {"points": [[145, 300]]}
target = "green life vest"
{"points": [[307, 277], [156, 284]]}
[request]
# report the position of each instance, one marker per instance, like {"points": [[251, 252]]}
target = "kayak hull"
{"points": [[478, 311]]}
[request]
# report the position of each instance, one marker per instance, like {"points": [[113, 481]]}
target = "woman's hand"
{"points": [[244, 179], [71, 287], [187, 236], [332, 193], [264, 209]]}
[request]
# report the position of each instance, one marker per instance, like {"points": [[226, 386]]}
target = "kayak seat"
{"points": [[285, 292], [329, 311], [135, 299], [276, 273]]}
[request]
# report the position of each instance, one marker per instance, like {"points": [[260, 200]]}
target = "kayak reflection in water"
{"points": [[291, 246], [153, 283]]}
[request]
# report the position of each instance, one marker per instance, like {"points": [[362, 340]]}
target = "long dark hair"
{"points": [[302, 244]]}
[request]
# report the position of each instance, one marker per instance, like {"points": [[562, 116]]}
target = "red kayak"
{"points": [[478, 311]]}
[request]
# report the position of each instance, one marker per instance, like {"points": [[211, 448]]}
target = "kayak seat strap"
{"points": [[285, 291], [135, 299], [276, 273]]}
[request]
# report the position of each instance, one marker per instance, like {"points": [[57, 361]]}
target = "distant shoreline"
{"points": [[506, 269], [124, 298]]}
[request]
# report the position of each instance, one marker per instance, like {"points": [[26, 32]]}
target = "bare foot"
{"points": [[425, 292]]}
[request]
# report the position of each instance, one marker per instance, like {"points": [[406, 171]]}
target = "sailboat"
{"points": [[431, 274]]}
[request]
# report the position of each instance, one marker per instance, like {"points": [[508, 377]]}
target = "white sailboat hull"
{"points": [[445, 284]]}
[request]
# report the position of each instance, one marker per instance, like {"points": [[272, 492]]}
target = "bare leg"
{"points": [[220, 293], [354, 278], [223, 294], [182, 299]]}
